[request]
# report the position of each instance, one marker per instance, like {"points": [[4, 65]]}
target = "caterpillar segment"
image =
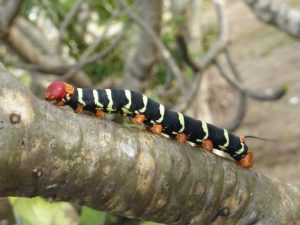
{"points": [[207, 145], [79, 109], [181, 138], [156, 128], [139, 119], [99, 113], [144, 110]]}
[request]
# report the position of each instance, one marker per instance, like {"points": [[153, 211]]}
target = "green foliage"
{"points": [[112, 66], [39, 211], [104, 8], [209, 36], [160, 75], [285, 86], [151, 223], [91, 217]]}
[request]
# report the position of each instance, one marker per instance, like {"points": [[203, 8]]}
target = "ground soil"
{"points": [[266, 58]]}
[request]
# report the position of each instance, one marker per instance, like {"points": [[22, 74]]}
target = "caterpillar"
{"points": [[145, 111]]}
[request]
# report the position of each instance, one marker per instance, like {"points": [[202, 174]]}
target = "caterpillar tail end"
{"points": [[247, 161]]}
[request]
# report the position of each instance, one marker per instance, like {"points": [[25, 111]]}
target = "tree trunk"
{"points": [[53, 152]]}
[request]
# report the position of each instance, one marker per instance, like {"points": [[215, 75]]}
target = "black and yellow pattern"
{"points": [[131, 103]]}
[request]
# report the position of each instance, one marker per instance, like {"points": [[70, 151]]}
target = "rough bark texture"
{"points": [[277, 14], [53, 152]]}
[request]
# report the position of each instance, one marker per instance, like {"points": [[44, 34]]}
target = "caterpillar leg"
{"points": [[99, 113], [79, 109], [139, 119], [247, 161], [156, 128], [59, 103], [181, 137], [207, 145]]}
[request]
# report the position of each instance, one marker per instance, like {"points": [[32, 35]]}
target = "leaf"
{"points": [[91, 217], [151, 223], [39, 211]]}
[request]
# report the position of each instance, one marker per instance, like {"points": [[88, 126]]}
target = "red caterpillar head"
{"points": [[57, 90]]}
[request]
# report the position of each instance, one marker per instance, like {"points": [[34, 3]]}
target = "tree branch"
{"points": [[144, 54], [8, 12], [96, 57], [52, 152], [33, 47], [66, 22], [166, 55], [201, 64], [277, 14], [272, 95]]}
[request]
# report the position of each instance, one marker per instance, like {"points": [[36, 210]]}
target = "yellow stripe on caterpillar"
{"points": [[80, 95], [162, 113], [205, 130], [145, 101], [96, 99], [126, 108], [181, 121], [225, 146], [109, 107]]}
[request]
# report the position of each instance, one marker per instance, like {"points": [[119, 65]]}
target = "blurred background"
{"points": [[232, 63]]}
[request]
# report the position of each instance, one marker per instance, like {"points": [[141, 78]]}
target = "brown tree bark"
{"points": [[52, 152]]}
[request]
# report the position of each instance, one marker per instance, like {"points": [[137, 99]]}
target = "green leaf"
{"points": [[91, 217], [151, 223], [39, 211]]}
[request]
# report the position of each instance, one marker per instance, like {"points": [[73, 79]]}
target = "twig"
{"points": [[8, 12], [222, 42], [189, 96], [51, 13], [53, 69], [91, 48], [182, 46], [63, 69], [207, 59], [100, 56], [181, 80], [277, 14], [242, 100], [272, 95], [67, 21], [217, 48]]}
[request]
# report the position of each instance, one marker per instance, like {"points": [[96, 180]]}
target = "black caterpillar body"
{"points": [[131, 103]]}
